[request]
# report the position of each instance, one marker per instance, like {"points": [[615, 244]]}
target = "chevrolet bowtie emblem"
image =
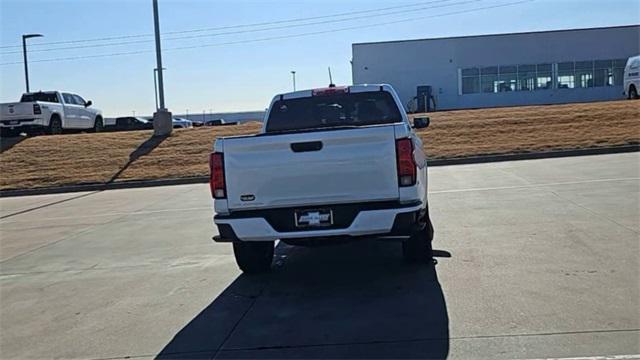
{"points": [[313, 218]]}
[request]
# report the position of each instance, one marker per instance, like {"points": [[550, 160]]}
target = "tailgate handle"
{"points": [[306, 146]]}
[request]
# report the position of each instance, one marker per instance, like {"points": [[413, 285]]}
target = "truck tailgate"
{"points": [[327, 167], [12, 110]]}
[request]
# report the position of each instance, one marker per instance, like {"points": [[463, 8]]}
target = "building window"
{"points": [[566, 75], [584, 74], [569, 75], [470, 81], [618, 71], [526, 77], [602, 73], [508, 78], [543, 77], [470, 85], [489, 79]]}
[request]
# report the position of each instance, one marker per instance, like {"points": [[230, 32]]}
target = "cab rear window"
{"points": [[335, 110], [44, 97]]}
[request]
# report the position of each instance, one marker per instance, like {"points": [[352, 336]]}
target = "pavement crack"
{"points": [[373, 342], [226, 339], [593, 212], [85, 230], [401, 341], [48, 204]]}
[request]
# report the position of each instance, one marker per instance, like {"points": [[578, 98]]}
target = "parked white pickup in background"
{"points": [[50, 112]]}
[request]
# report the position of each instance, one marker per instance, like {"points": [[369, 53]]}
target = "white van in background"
{"points": [[632, 77]]}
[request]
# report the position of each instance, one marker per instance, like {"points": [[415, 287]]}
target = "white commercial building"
{"points": [[546, 67]]}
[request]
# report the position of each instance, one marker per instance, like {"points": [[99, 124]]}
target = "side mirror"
{"points": [[87, 103], [421, 122]]}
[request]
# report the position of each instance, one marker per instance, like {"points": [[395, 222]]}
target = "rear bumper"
{"points": [[396, 221], [34, 122]]}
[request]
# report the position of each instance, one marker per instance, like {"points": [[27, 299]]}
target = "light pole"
{"points": [[24, 53], [293, 74], [162, 124], [155, 84], [156, 23]]}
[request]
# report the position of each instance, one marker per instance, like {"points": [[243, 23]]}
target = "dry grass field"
{"points": [[107, 157]]}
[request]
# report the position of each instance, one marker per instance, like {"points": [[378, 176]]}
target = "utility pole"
{"points": [[293, 73], [156, 23], [331, 84], [162, 125], [155, 85], [24, 54]]}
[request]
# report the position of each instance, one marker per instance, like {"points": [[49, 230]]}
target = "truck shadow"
{"points": [[7, 143], [356, 300]]}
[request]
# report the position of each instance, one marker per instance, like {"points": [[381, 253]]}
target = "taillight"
{"points": [[36, 109], [406, 163], [216, 180]]}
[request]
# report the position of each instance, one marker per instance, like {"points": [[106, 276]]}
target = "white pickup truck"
{"points": [[331, 163], [51, 112]]}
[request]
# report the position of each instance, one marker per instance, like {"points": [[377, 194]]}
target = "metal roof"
{"points": [[500, 34]]}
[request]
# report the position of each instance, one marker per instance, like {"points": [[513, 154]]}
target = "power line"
{"points": [[82, 57], [121, 37], [255, 30], [305, 18], [82, 46], [349, 28], [331, 21], [282, 36]]}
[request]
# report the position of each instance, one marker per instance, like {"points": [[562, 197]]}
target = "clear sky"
{"points": [[245, 75]]}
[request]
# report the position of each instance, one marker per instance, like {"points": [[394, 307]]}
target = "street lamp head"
{"points": [[28, 36]]}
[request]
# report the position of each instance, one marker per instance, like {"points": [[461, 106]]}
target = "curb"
{"points": [[534, 155], [130, 184]]}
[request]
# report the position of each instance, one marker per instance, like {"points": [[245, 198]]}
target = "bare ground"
{"points": [[105, 157]]}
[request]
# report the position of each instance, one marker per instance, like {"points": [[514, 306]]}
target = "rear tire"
{"points": [[253, 257], [55, 125], [98, 125], [633, 93], [418, 247]]}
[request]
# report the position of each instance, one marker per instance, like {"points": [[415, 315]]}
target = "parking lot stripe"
{"points": [[532, 185]]}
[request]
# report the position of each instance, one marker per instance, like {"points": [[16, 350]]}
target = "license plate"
{"points": [[14, 122], [313, 218]]}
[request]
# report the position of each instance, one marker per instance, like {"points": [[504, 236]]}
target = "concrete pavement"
{"points": [[536, 259]]}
